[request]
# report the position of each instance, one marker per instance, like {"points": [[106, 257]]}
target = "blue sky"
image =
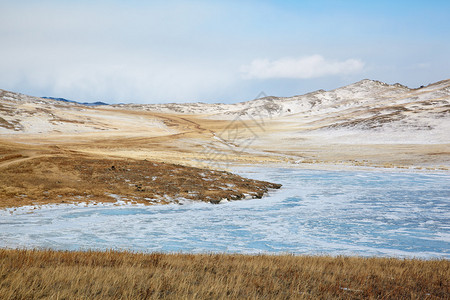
{"points": [[217, 51]]}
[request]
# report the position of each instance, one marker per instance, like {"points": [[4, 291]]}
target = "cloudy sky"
{"points": [[217, 51]]}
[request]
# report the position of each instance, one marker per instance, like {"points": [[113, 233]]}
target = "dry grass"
{"points": [[32, 274]]}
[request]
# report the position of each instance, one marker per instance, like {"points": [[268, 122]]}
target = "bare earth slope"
{"points": [[368, 123]]}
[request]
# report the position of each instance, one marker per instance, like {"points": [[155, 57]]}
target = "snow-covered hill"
{"points": [[366, 104]]}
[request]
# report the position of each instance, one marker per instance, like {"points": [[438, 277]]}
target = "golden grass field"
{"points": [[38, 274]]}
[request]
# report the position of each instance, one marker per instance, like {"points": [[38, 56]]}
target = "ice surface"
{"points": [[316, 212]]}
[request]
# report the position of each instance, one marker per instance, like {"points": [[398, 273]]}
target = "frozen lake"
{"points": [[316, 212]]}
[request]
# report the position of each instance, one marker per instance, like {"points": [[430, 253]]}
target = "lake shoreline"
{"points": [[119, 200], [315, 212]]}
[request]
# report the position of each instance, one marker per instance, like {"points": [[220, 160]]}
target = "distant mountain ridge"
{"points": [[72, 101]]}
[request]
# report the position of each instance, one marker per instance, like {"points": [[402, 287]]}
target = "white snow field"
{"points": [[364, 213]]}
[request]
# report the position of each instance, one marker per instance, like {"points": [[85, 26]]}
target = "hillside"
{"points": [[368, 123]]}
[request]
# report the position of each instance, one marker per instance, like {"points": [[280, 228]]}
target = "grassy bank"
{"points": [[42, 176], [28, 274]]}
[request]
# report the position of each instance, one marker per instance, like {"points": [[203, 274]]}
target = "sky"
{"points": [[217, 51]]}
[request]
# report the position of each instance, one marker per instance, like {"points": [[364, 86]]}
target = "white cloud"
{"points": [[156, 52], [305, 67]]}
